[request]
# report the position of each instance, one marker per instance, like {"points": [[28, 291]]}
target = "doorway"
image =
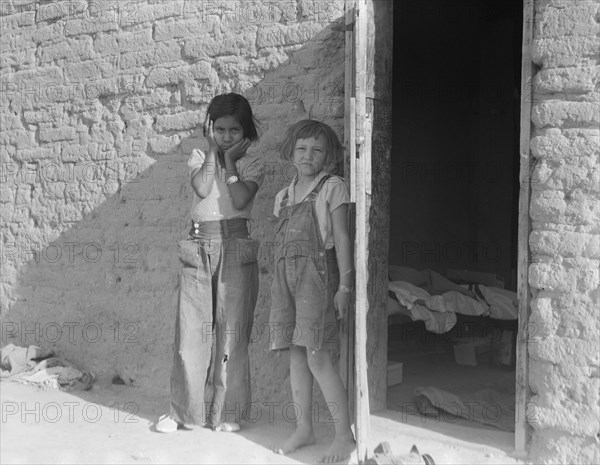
{"points": [[454, 211]]}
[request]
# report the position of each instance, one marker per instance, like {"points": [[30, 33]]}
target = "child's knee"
{"points": [[318, 360], [298, 355]]}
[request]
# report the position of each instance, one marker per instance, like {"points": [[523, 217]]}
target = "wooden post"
{"points": [[363, 152], [347, 336], [524, 229], [366, 58]]}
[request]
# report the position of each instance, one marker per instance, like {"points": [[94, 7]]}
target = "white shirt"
{"points": [[218, 204]]}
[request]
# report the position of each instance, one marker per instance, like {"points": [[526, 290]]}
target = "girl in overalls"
{"points": [[312, 282], [210, 381]]}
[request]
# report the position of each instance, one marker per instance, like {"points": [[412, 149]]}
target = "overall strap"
{"points": [[313, 194], [310, 197], [284, 201]]}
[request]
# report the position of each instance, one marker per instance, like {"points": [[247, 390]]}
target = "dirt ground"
{"points": [[112, 424]]}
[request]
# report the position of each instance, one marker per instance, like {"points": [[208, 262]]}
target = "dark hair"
{"points": [[307, 128], [236, 105]]}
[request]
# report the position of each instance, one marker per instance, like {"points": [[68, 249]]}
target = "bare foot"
{"points": [[340, 450], [300, 438]]}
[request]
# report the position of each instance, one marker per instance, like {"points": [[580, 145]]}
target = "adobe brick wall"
{"points": [[564, 349], [100, 107]]}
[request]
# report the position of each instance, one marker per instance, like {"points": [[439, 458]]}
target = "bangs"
{"points": [[311, 130]]}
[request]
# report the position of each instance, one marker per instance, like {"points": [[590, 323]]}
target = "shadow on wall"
{"points": [[103, 293]]}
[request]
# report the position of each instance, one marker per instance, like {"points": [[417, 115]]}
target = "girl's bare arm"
{"points": [[203, 178], [343, 248]]}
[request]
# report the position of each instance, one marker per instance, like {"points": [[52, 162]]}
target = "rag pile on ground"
{"points": [[39, 367]]}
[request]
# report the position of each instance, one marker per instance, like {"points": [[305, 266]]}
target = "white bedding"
{"points": [[439, 311]]}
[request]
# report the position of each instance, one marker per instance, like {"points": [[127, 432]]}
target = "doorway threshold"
{"points": [[461, 442]]}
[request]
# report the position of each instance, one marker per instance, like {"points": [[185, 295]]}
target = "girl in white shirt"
{"points": [[210, 381]]}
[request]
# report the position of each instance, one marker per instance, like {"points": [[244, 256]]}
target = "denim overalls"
{"points": [[210, 382], [305, 279]]}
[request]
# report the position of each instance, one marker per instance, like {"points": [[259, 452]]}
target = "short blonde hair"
{"points": [[308, 128]]}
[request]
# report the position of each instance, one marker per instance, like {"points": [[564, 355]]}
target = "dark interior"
{"points": [[455, 161], [455, 149]]}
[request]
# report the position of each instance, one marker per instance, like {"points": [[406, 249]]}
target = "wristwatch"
{"points": [[344, 289], [232, 179]]}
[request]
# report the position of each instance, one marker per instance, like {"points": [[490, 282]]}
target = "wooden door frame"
{"points": [[357, 140], [524, 229]]}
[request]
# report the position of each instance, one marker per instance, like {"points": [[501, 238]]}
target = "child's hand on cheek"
{"points": [[238, 150], [207, 130]]}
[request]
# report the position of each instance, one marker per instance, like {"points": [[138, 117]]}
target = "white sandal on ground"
{"points": [[228, 427], [166, 424]]}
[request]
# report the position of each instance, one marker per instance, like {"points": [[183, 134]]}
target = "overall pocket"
{"points": [[193, 252]]}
